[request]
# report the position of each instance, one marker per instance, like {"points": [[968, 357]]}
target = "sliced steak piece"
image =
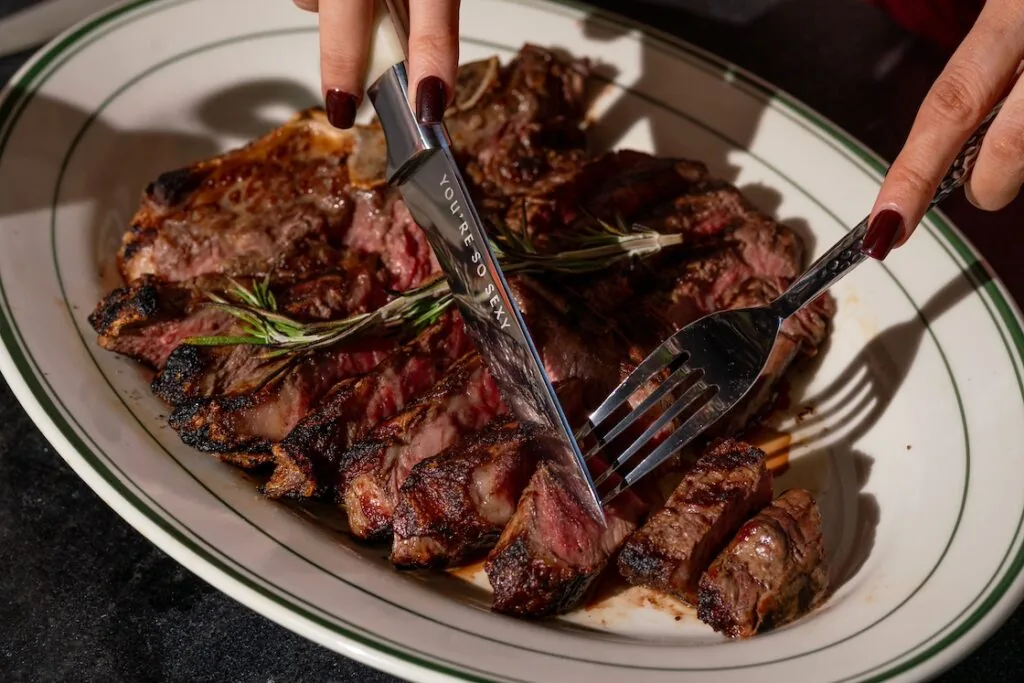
{"points": [[382, 224], [307, 459], [147, 320], [243, 211], [771, 573], [551, 551], [193, 372], [370, 474], [572, 342], [241, 427], [454, 505], [726, 485]]}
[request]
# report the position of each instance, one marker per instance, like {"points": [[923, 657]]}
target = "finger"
{"points": [[308, 5], [999, 172], [433, 56], [344, 45], [973, 81]]}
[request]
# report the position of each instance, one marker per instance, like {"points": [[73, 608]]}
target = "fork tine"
{"points": [[683, 374], [689, 397], [693, 426], [656, 361]]}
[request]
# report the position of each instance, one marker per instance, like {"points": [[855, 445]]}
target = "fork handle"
{"points": [[846, 254]]}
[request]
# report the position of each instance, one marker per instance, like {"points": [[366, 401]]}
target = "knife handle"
{"points": [[389, 40]]}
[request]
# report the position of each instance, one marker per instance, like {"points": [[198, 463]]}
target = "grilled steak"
{"points": [[148, 319], [772, 572], [397, 432], [241, 427], [307, 460], [456, 503], [242, 212], [552, 550], [370, 474], [726, 485]]}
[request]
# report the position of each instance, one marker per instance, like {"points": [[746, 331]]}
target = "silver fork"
{"points": [[718, 358]]}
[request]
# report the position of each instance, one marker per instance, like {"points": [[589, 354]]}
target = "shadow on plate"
{"points": [[856, 400]]}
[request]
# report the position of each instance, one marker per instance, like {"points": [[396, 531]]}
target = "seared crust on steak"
{"points": [[727, 484], [243, 211], [773, 571], [307, 460], [370, 473], [455, 504], [394, 428], [551, 551], [247, 423]]}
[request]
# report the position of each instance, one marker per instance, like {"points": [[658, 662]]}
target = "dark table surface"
{"points": [[84, 597]]}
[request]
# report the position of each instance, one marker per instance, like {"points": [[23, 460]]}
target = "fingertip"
{"points": [[986, 198]]}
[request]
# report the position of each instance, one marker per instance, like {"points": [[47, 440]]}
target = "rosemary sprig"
{"points": [[597, 248]]}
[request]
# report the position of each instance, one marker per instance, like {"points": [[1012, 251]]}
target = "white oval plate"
{"points": [[913, 448]]}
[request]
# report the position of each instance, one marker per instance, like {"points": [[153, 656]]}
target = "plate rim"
{"points": [[139, 514]]}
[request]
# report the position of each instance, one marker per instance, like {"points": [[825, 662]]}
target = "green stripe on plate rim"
{"points": [[32, 71]]}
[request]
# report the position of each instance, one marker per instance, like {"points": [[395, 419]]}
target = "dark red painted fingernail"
{"points": [[430, 100], [341, 108], [885, 229]]}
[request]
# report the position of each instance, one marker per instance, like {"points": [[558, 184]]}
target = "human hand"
{"points": [[345, 33], [984, 68]]}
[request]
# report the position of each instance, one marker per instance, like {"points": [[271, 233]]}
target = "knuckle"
{"points": [[910, 179], [308, 5], [339, 62], [1007, 150], [433, 46], [955, 97]]}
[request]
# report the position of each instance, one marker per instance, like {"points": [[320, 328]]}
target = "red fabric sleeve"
{"points": [[944, 22]]}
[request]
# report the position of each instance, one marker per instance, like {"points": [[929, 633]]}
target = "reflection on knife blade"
{"points": [[421, 164]]}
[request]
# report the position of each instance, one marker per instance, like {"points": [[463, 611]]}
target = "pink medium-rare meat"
{"points": [[307, 459], [773, 571], [726, 485], [371, 472], [453, 506], [550, 553], [242, 427]]}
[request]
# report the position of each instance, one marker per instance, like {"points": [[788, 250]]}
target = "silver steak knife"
{"points": [[421, 164]]}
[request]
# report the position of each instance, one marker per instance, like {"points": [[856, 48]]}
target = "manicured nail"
{"points": [[882, 234], [341, 108], [430, 99]]}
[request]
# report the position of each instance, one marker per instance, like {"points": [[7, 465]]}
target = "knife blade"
{"points": [[421, 164]]}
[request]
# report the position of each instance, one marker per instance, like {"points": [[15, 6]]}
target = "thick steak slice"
{"points": [[243, 211], [147, 320], [551, 551], [307, 459], [726, 485], [772, 572], [455, 504], [370, 473], [241, 427], [192, 372]]}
